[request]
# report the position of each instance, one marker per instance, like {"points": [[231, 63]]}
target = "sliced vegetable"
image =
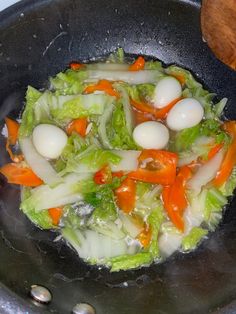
{"points": [[95, 247], [141, 93], [184, 75], [132, 224], [44, 197], [170, 240], [125, 195], [130, 261], [78, 106], [138, 64], [104, 86], [174, 197], [102, 128], [154, 65], [140, 117], [69, 82], [78, 125], [12, 129], [40, 219], [214, 150], [20, 174], [206, 173], [55, 213], [103, 176], [228, 187], [14, 157], [230, 157], [131, 77], [185, 138], [28, 119], [108, 66], [39, 165], [91, 160], [117, 174], [180, 77], [155, 219], [147, 199], [145, 237], [193, 238], [103, 202], [157, 113], [118, 56], [128, 112], [213, 207], [118, 131], [75, 66], [175, 216], [155, 166]]}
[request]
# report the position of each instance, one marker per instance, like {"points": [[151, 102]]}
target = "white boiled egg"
{"points": [[49, 140], [151, 134], [186, 113], [166, 90]]}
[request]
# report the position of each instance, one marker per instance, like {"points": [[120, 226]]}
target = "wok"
{"points": [[38, 39]]}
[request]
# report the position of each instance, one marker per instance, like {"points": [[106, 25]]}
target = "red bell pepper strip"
{"points": [[125, 195], [214, 150], [118, 174], [230, 156], [103, 176], [179, 77], [140, 117], [102, 85], [157, 113], [17, 174], [174, 198], [13, 130], [155, 166], [78, 125], [76, 66], [55, 213], [138, 64], [145, 236]]}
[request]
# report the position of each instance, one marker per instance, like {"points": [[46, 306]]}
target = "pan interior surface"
{"points": [[39, 39]]}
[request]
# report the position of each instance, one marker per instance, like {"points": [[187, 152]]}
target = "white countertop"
{"points": [[6, 3]]}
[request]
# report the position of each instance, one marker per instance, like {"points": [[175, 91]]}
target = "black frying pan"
{"points": [[38, 39]]}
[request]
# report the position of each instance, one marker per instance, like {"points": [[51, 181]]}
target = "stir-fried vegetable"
{"points": [[125, 194], [20, 174], [115, 158], [175, 199], [78, 125], [155, 166]]}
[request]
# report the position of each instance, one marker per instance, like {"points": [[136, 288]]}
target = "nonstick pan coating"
{"points": [[38, 39]]}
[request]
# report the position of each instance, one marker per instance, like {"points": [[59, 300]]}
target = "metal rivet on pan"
{"points": [[83, 308], [40, 294]]}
